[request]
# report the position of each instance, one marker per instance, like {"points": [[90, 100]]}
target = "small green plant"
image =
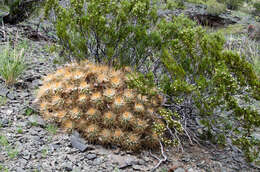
{"points": [[35, 124], [12, 153], [3, 169], [51, 128], [29, 111], [116, 169], [19, 130], [163, 170], [196, 1], [3, 100], [12, 62], [3, 141], [44, 152]]}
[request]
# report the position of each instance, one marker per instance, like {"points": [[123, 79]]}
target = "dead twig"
{"points": [[160, 160]]}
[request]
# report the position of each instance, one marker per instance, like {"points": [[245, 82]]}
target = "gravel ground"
{"points": [[29, 144]]}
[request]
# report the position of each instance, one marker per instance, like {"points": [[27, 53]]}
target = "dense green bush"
{"points": [[257, 8], [215, 8], [20, 10], [199, 79], [233, 4], [111, 31]]}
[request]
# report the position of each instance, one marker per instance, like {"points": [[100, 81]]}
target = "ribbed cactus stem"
{"points": [[96, 100]]}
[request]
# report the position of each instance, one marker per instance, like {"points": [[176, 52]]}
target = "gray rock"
{"points": [[68, 166], [22, 124], [137, 167], [35, 119], [2, 158], [123, 165], [97, 161], [5, 122], [8, 111], [10, 95], [179, 170], [3, 91], [91, 156], [78, 143], [56, 146], [192, 170], [19, 169]]}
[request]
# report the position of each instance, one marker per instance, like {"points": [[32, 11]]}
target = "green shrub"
{"points": [[199, 78], [215, 8], [110, 31], [247, 48], [12, 62], [20, 10], [218, 85], [233, 4], [257, 8]]}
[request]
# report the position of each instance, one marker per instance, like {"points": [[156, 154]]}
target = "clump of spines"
{"points": [[95, 100]]}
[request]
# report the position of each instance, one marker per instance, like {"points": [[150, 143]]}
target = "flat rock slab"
{"points": [[78, 143]]}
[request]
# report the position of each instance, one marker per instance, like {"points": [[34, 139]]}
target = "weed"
{"points": [[44, 152], [3, 169], [12, 153], [3, 141], [34, 124], [12, 63], [52, 129], [28, 111], [163, 170], [3, 100], [19, 131], [116, 169]]}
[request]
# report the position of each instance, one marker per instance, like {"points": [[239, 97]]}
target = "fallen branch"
{"points": [[160, 160]]}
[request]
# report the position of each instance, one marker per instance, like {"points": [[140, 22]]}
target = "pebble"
{"points": [[179, 170], [91, 156], [77, 143]]}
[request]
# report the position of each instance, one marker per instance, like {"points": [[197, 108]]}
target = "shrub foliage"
{"points": [[200, 80]]}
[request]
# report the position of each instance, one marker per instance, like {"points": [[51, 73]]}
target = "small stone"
{"points": [[97, 161], [5, 122], [191, 170], [10, 95], [22, 124], [137, 167], [3, 91], [77, 143], [141, 162], [91, 156], [201, 164], [19, 169], [56, 146], [124, 164], [8, 112], [68, 167], [2, 158], [179, 170], [35, 119]]}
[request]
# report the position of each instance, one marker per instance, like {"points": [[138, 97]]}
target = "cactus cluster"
{"points": [[95, 100]]}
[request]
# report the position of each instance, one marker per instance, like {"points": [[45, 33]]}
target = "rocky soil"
{"points": [[30, 144]]}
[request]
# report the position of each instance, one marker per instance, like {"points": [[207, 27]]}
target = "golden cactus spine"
{"points": [[96, 101]]}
